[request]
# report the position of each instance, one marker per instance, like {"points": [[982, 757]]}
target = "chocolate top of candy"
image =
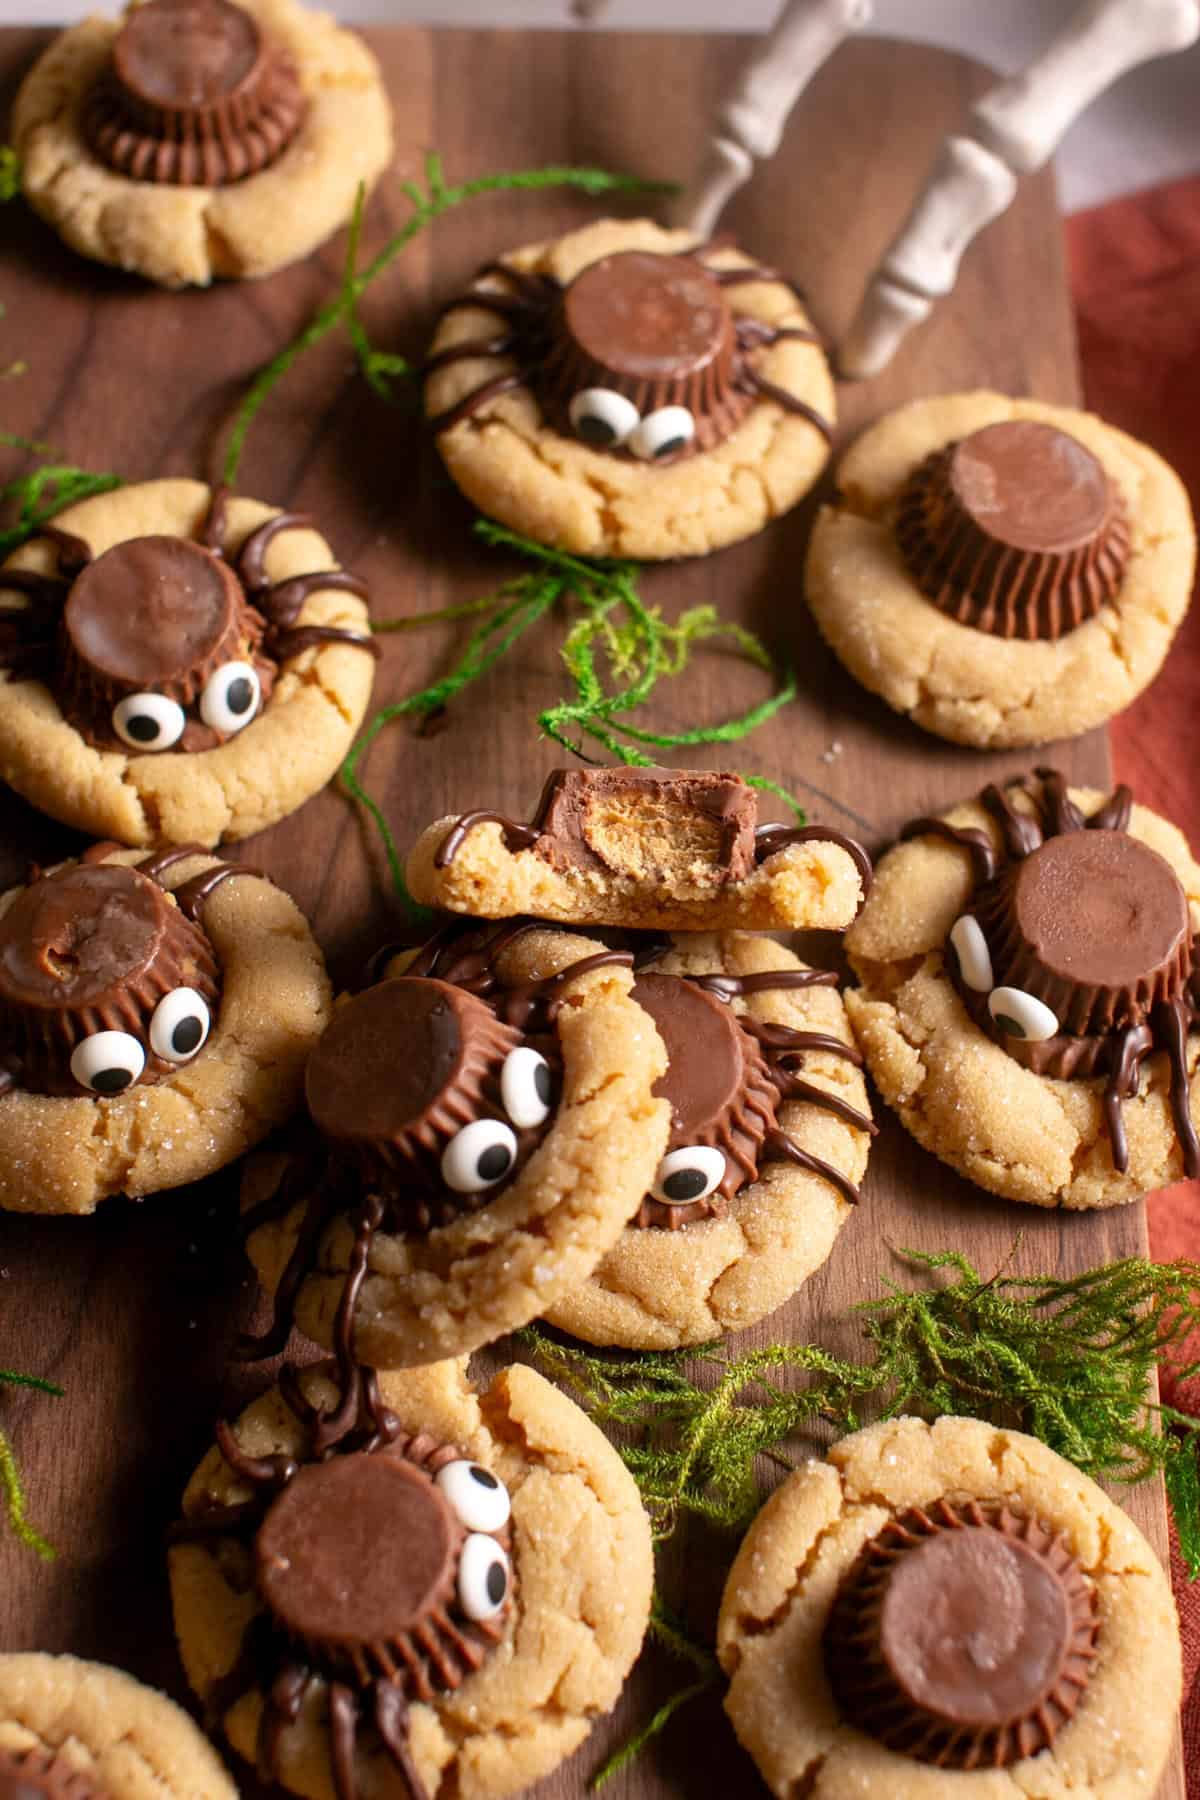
{"points": [[1095, 924], [186, 53], [357, 1550], [962, 1637], [40, 1775], [70, 938], [707, 1055], [150, 610], [644, 317], [1015, 529]]}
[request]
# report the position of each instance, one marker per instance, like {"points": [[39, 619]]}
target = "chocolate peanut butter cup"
{"points": [[1095, 925], [963, 1636], [1016, 530], [643, 357], [723, 1102], [193, 95], [647, 821], [41, 1775], [403, 1072], [155, 625], [103, 981]]}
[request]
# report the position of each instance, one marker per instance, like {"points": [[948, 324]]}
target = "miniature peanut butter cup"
{"points": [[194, 95], [655, 332], [40, 1775], [962, 1637], [157, 619], [1016, 529], [1095, 925], [400, 1072], [723, 1102], [648, 821], [96, 955]]}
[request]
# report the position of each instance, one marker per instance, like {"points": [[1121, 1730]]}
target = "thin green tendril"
{"points": [[11, 1490], [10, 173], [429, 205], [44, 491]]}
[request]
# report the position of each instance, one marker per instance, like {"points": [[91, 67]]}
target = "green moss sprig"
{"points": [[43, 491], [428, 204], [12, 1491], [10, 173], [616, 638]]}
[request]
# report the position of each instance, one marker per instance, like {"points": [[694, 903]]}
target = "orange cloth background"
{"points": [[1135, 273]]}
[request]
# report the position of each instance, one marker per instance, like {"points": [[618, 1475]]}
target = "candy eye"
{"points": [[478, 1156], [526, 1088], [688, 1174], [974, 957], [179, 1026], [1022, 1015], [148, 721], [663, 432], [230, 697], [479, 1498], [107, 1062], [483, 1577], [603, 418]]}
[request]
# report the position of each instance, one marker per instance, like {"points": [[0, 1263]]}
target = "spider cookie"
{"points": [[1001, 571], [769, 1132], [400, 1585], [938, 1612], [627, 391], [178, 665], [1029, 993], [72, 1730], [197, 139], [481, 1128], [155, 1018], [663, 849]]}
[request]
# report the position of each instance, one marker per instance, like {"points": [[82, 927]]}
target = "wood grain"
{"points": [[133, 1311]]}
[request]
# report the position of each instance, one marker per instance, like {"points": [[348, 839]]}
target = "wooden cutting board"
{"points": [[132, 1311]]}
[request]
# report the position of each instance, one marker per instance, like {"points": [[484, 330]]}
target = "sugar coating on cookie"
{"points": [[74, 1730], [201, 139], [481, 1126], [666, 849], [770, 1125], [1028, 994], [946, 1609], [464, 1579], [625, 391], [156, 1013], [179, 665], [1002, 571]]}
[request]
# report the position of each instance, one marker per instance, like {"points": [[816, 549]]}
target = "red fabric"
{"points": [[1135, 274]]}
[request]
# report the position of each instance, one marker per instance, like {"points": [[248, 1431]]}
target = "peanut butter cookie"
{"points": [[400, 1584], [178, 665], [656, 849], [949, 1610], [72, 1730], [1002, 571], [198, 139], [481, 1127], [1028, 997], [156, 1014], [626, 391], [769, 1131]]}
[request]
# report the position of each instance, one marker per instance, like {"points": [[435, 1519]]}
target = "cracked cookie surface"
{"points": [[429, 1295], [810, 1533], [1020, 1134], [969, 685], [283, 757], [508, 461], [584, 1571], [659, 1289], [67, 1155], [189, 236], [105, 1725]]}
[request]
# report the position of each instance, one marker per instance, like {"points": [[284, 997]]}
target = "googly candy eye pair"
{"points": [[608, 421], [107, 1062], [1018, 1014], [229, 700], [485, 1151]]}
